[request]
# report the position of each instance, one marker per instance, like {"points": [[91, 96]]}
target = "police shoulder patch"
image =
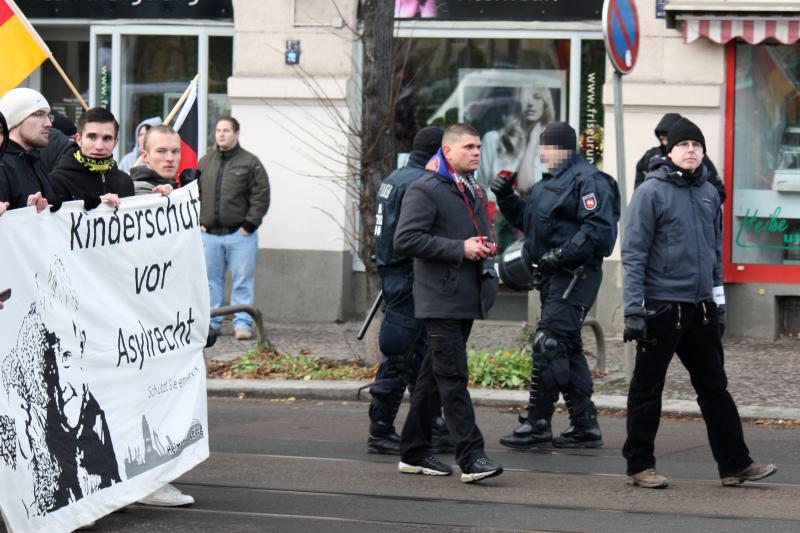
{"points": [[589, 201]]}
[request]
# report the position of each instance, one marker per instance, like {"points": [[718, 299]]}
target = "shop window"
{"points": [[155, 71], [220, 68], [73, 56], [508, 89], [765, 226]]}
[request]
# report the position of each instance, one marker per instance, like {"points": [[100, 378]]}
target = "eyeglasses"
{"points": [[42, 115], [685, 145]]}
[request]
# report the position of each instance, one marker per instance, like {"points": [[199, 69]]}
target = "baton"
{"points": [[577, 274], [367, 321]]}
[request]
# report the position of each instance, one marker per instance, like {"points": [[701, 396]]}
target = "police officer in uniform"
{"points": [[402, 337], [570, 224]]}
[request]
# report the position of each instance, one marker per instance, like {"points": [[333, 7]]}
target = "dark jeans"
{"points": [[444, 369], [691, 331]]}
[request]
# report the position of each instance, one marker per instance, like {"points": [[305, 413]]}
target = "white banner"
{"points": [[102, 382]]}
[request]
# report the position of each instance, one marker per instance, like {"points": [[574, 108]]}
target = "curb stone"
{"points": [[347, 390]]}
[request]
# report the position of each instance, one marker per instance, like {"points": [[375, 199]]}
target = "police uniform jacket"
{"points": [[672, 247], [575, 208], [434, 223], [390, 198]]}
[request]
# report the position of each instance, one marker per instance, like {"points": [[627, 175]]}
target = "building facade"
{"points": [[290, 71]]}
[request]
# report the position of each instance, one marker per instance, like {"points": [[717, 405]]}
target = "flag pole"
{"points": [[175, 109], [68, 82], [46, 49], [181, 100]]}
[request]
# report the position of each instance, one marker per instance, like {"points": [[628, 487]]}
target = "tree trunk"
{"points": [[377, 122]]}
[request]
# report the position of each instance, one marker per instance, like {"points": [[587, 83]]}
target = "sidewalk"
{"points": [[763, 377]]}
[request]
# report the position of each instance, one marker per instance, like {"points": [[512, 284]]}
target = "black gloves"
{"points": [[189, 175], [721, 320], [635, 328], [550, 261], [503, 184]]}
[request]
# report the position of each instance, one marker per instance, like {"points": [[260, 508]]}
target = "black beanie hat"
{"points": [[428, 141], [684, 130], [666, 122], [559, 134]]}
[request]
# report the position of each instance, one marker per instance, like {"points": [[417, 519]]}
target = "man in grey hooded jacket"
{"points": [[674, 303]]}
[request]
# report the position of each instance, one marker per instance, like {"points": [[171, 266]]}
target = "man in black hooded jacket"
{"points": [[91, 172]]}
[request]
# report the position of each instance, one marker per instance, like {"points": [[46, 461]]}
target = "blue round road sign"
{"points": [[621, 33]]}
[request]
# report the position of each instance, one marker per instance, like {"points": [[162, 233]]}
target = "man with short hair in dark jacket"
{"points": [[444, 226], [90, 172], [402, 338], [234, 199], [161, 155], [675, 303]]}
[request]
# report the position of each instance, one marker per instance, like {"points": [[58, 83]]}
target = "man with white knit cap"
{"points": [[23, 181]]}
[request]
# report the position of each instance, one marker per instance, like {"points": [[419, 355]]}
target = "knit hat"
{"points": [[559, 134], [684, 130], [666, 122], [18, 104], [428, 141]]}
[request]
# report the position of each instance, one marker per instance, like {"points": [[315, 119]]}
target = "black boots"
{"points": [[530, 434], [533, 432], [383, 439], [584, 431]]}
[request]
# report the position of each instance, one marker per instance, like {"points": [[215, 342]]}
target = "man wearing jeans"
{"points": [[234, 196]]}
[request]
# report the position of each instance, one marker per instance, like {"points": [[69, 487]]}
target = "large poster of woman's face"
{"points": [[510, 108]]}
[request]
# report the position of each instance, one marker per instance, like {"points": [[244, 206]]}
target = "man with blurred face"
{"points": [[674, 302], [444, 226], [23, 181], [161, 154], [570, 224], [234, 198], [91, 172]]}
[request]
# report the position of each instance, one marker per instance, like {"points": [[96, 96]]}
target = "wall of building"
{"points": [[295, 119]]}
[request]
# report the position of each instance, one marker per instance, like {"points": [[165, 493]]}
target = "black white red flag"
{"points": [[187, 124]]}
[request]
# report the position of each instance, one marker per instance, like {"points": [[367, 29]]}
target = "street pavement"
{"points": [[763, 376], [301, 466]]}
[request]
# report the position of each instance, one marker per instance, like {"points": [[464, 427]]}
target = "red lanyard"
{"points": [[479, 196]]}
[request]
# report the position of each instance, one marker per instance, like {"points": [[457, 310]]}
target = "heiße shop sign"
{"points": [[139, 9]]}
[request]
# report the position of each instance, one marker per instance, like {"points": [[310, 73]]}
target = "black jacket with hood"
{"points": [[145, 180], [21, 174], [72, 181]]}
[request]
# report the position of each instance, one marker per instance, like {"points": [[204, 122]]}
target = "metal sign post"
{"points": [[621, 36]]}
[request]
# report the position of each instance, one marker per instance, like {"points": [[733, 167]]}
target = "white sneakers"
{"points": [[167, 496]]}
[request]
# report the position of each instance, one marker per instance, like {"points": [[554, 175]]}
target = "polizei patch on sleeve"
{"points": [[589, 201]]}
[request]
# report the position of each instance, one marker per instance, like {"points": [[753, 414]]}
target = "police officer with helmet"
{"points": [[570, 224], [402, 337]]}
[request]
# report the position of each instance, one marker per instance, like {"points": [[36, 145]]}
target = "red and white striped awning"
{"points": [[752, 30]]}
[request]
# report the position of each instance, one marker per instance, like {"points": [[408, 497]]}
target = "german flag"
{"points": [[21, 48]]}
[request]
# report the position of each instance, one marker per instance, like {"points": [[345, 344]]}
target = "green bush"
{"points": [[501, 369]]}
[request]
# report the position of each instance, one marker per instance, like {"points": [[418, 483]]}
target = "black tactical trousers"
{"points": [[401, 332], [444, 370], [691, 331]]}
